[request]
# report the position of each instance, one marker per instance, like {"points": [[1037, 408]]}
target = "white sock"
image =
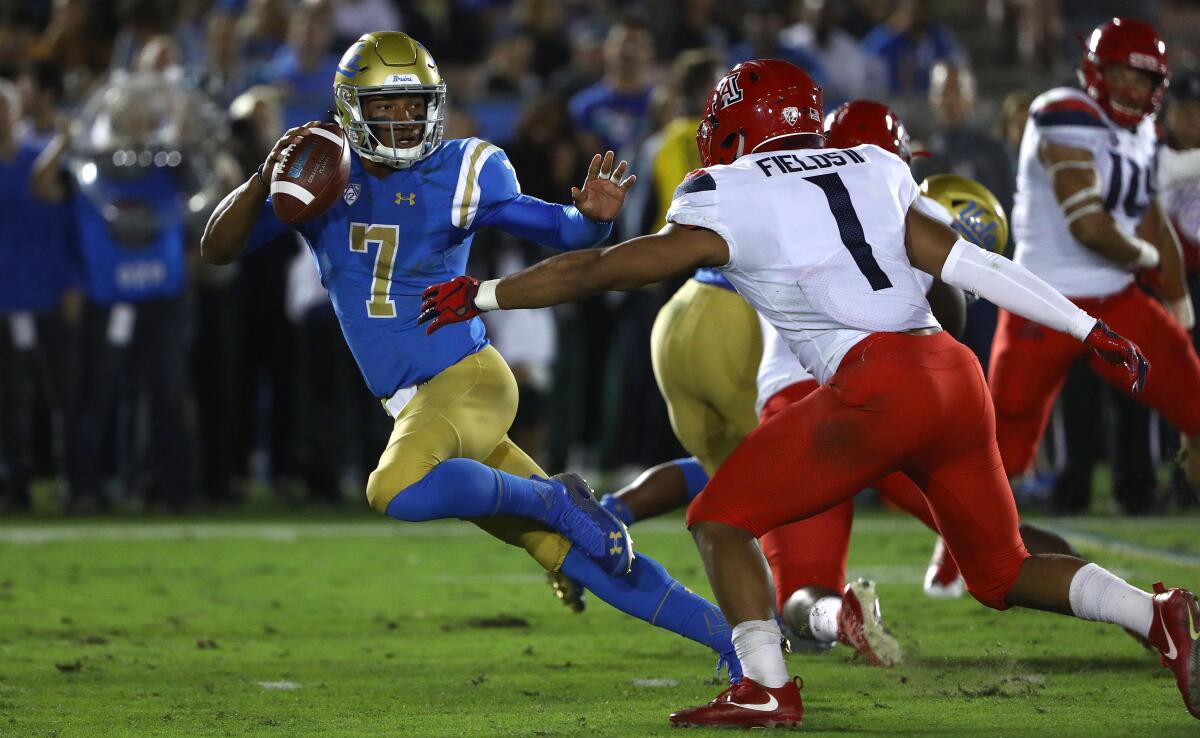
{"points": [[758, 647], [1097, 594], [822, 619]]}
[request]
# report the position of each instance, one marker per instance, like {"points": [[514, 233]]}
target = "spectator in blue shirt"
{"points": [[37, 271], [614, 109], [301, 69], [909, 43], [127, 201]]}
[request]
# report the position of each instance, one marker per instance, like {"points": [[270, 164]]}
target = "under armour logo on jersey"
{"points": [[353, 190], [728, 91], [410, 198]]}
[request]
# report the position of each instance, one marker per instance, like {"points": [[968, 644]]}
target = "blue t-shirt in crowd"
{"points": [[616, 118], [38, 259], [306, 93], [137, 255], [910, 58]]}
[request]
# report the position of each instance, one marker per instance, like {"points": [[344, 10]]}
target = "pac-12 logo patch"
{"points": [[353, 190], [791, 115], [728, 91]]}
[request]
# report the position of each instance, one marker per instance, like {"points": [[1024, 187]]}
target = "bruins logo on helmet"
{"points": [[388, 63], [978, 215]]}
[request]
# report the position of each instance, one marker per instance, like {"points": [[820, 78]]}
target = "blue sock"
{"points": [[649, 593], [613, 504], [463, 488], [693, 474]]}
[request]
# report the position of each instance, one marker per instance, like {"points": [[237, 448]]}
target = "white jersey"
{"points": [[816, 244], [780, 368], [1125, 162]]}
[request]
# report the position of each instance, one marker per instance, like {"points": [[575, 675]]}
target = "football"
{"points": [[311, 175]]}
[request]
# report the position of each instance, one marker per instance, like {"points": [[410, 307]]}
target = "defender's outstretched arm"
{"points": [[576, 275]]}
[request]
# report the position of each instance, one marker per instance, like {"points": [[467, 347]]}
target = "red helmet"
{"points": [[1126, 41], [758, 101], [867, 122]]}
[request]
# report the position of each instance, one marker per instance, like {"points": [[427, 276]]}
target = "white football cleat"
{"points": [[942, 580], [860, 625]]}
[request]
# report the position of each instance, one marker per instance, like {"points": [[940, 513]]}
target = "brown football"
{"points": [[311, 175]]}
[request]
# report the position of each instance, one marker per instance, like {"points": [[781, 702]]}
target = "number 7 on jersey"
{"points": [[387, 237]]}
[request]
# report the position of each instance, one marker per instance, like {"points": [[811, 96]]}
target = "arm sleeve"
{"points": [[502, 205], [1014, 288], [266, 229], [560, 227]]}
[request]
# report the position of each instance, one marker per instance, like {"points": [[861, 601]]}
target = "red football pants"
{"points": [[813, 551], [916, 404], [1030, 363]]}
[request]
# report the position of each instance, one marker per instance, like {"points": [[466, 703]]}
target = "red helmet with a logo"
{"points": [[867, 122], [1127, 41], [757, 102]]}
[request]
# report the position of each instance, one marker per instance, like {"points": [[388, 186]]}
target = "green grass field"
{"points": [[358, 626]]}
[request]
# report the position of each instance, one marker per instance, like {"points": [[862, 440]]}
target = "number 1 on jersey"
{"points": [[362, 236], [850, 228]]}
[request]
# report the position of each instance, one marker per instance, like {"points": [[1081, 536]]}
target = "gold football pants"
{"points": [[706, 347], [465, 412]]}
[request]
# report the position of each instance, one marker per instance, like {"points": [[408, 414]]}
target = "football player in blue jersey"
{"points": [[406, 219]]}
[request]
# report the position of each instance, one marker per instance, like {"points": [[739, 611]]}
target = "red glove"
{"points": [[1120, 351], [449, 302]]}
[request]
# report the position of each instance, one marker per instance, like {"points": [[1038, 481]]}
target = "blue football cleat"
{"points": [[576, 514]]}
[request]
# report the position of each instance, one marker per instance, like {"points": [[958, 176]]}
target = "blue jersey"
{"points": [[37, 239], [137, 255], [387, 239]]}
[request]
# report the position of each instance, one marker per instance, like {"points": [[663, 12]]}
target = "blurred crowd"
{"points": [[139, 377]]}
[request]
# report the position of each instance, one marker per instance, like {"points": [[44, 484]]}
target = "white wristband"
{"points": [[485, 298], [1147, 254]]}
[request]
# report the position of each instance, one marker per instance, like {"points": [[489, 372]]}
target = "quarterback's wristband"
{"points": [[485, 298]]}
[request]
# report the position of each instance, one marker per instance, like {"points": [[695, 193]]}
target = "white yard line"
{"points": [[377, 528]]}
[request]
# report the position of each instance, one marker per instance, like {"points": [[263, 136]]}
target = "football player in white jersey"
{"points": [[1087, 178], [822, 243]]}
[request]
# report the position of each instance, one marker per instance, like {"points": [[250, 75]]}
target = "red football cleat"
{"points": [[860, 626], [747, 704], [1175, 632], [942, 580]]}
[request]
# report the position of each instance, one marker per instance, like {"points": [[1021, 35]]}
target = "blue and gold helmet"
{"points": [[978, 215], [388, 63]]}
